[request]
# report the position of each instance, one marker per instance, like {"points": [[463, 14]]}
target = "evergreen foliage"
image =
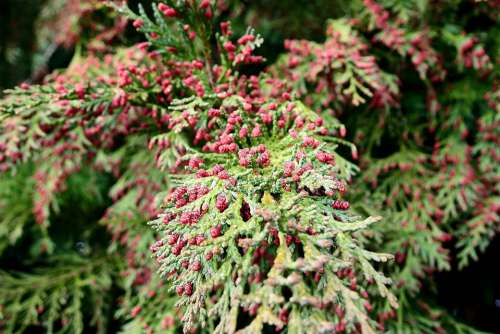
{"points": [[186, 184]]}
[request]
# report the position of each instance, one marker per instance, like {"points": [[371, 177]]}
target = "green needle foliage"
{"points": [[183, 184]]}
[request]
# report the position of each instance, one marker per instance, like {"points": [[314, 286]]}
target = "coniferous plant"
{"points": [[179, 185], [249, 215], [427, 135]]}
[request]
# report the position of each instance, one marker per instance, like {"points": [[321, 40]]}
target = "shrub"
{"points": [[207, 192]]}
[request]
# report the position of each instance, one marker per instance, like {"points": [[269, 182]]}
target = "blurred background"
{"points": [[38, 36]]}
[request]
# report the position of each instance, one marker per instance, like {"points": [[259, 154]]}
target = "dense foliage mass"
{"points": [[184, 183]]}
